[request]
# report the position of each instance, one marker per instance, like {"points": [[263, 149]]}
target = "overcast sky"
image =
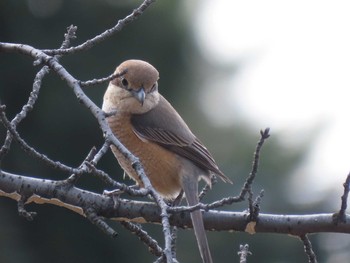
{"points": [[294, 78]]}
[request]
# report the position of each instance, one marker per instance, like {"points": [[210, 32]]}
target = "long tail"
{"points": [[190, 186]]}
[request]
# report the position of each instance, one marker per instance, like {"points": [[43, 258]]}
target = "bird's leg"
{"points": [[178, 199]]}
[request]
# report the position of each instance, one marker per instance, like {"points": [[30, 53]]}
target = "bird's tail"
{"points": [[190, 186]]}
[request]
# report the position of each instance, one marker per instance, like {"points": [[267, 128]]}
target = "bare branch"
{"points": [[248, 185], [25, 109], [101, 153], [108, 33], [136, 164], [98, 208], [99, 222], [308, 248], [30, 150], [68, 37], [144, 237], [256, 207], [173, 241], [243, 253], [245, 189], [58, 193], [34, 94], [22, 211], [207, 187], [102, 80], [83, 167], [340, 217], [98, 113]]}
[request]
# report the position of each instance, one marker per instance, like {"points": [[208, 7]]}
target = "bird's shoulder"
{"points": [[163, 125]]}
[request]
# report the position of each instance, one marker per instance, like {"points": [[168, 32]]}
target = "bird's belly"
{"points": [[161, 166]]}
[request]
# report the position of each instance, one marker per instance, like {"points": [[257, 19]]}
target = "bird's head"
{"points": [[135, 91]]}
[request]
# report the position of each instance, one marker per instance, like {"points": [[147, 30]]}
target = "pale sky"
{"points": [[294, 78]]}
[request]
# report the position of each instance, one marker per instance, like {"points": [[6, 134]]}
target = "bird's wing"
{"points": [[164, 126]]}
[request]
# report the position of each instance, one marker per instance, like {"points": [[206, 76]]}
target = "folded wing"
{"points": [[164, 126]]}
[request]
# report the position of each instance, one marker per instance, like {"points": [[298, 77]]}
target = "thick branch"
{"points": [[55, 192]]}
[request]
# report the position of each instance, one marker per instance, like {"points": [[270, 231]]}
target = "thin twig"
{"points": [[154, 248], [248, 184], [99, 114], [52, 63], [245, 189], [243, 253], [173, 241], [308, 249], [207, 187], [83, 167], [340, 217], [123, 188], [31, 151], [101, 80], [108, 33], [98, 221], [101, 153], [256, 207], [136, 164], [25, 109], [68, 37], [34, 93], [22, 211]]}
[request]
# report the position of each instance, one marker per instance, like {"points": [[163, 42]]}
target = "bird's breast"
{"points": [[161, 166]]}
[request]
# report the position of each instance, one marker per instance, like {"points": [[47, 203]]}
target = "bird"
{"points": [[173, 158]]}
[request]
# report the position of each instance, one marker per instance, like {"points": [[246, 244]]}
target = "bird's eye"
{"points": [[125, 82], [154, 87]]}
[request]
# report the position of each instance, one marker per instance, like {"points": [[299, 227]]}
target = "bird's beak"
{"points": [[139, 95]]}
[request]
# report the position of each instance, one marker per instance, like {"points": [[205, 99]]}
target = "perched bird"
{"points": [[171, 155]]}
